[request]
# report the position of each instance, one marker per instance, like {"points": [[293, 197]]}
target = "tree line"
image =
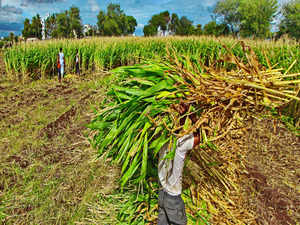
{"points": [[172, 24], [68, 24], [245, 18]]}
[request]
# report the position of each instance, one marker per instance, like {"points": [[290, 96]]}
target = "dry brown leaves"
{"points": [[228, 96], [225, 101]]}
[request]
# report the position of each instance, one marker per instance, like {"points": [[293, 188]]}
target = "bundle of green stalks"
{"points": [[140, 115]]}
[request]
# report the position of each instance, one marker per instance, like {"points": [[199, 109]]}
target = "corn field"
{"points": [[38, 60], [223, 81]]}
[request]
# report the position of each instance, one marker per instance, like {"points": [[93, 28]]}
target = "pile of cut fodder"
{"points": [[139, 118]]}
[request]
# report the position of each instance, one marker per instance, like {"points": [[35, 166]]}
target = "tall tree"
{"points": [[114, 10], [212, 28], [257, 16], [75, 22], [249, 18], [173, 24], [290, 24], [111, 27], [26, 32], [150, 30], [114, 22], [185, 27], [160, 20], [100, 23], [63, 25], [37, 26], [228, 12], [131, 24], [33, 29], [51, 26]]}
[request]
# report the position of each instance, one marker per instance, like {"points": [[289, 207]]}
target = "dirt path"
{"points": [[48, 171], [273, 181]]}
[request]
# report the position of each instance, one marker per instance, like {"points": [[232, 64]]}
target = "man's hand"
{"points": [[182, 108], [196, 138], [193, 118]]}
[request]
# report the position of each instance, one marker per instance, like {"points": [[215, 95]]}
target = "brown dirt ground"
{"points": [[273, 180], [48, 171]]}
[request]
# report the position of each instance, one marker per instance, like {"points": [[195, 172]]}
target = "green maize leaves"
{"points": [[126, 130], [161, 143], [130, 172], [131, 91], [124, 149], [145, 158], [140, 81], [130, 154], [99, 125], [166, 94], [115, 131]]}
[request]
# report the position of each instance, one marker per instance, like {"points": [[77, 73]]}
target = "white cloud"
{"points": [[11, 2], [10, 18], [10, 14], [94, 5]]}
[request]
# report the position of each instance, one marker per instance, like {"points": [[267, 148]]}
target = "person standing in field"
{"points": [[171, 206], [61, 64], [77, 62]]}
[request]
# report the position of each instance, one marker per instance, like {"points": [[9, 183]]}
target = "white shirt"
{"points": [[61, 58], [170, 171]]}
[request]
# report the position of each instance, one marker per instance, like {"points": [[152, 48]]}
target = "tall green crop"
{"points": [[39, 59]]}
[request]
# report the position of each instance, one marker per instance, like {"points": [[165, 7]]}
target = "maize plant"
{"points": [[140, 117]]}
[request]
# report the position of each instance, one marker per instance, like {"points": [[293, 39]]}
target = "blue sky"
{"points": [[13, 12]]}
